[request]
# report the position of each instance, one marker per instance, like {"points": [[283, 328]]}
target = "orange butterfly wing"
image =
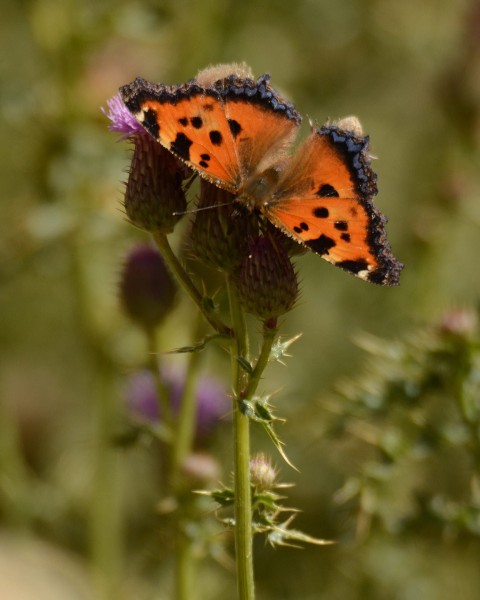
{"points": [[324, 201], [223, 131]]}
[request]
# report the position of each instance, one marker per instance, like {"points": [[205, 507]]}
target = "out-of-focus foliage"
{"points": [[397, 485], [417, 406]]}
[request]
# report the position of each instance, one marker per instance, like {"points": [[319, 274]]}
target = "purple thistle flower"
{"points": [[212, 401], [121, 119]]}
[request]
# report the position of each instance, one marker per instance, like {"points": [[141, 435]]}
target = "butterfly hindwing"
{"points": [[222, 131], [324, 200]]}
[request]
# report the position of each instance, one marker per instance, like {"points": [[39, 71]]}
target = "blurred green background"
{"points": [[411, 72]]}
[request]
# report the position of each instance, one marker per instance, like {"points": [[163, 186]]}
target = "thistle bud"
{"points": [[262, 473], [289, 244], [154, 187], [220, 234], [266, 280], [147, 290], [154, 190]]}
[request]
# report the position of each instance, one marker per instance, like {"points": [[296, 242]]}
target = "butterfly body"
{"points": [[236, 132]]}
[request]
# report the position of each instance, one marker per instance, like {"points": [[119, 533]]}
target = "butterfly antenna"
{"points": [[198, 209]]}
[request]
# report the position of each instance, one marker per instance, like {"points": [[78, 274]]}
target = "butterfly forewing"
{"points": [[223, 132], [261, 133]]}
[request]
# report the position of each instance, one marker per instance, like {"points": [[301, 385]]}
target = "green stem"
{"points": [[162, 391], [182, 447], [106, 528], [184, 558], [262, 361], [241, 431], [188, 285], [185, 430]]}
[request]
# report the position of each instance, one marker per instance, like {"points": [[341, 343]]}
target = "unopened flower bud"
{"points": [[262, 473], [147, 290], [220, 233], [289, 244], [266, 280], [154, 192]]}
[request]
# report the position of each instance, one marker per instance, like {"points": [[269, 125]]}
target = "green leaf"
{"points": [[247, 408], [278, 445], [199, 345], [281, 535], [224, 497], [280, 347], [246, 366], [258, 410]]}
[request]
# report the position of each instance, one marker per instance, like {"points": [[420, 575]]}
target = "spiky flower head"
{"points": [[262, 473], [266, 280], [219, 235], [147, 290], [154, 193], [121, 121]]}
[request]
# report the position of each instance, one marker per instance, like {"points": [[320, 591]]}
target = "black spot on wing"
{"points": [[341, 225], [327, 191], [183, 121], [235, 127], [204, 160], [321, 245], [215, 137], [150, 122], [345, 237], [196, 122], [301, 227], [181, 146], [321, 212]]}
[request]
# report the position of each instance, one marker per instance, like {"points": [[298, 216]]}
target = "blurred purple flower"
{"points": [[141, 396], [212, 401], [121, 119]]}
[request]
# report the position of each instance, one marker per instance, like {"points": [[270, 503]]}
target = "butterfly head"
{"points": [[258, 189]]}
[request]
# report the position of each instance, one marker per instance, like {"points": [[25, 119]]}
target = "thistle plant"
{"points": [[255, 262], [416, 405]]}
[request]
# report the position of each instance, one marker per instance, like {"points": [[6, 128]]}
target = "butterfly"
{"points": [[236, 132]]}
